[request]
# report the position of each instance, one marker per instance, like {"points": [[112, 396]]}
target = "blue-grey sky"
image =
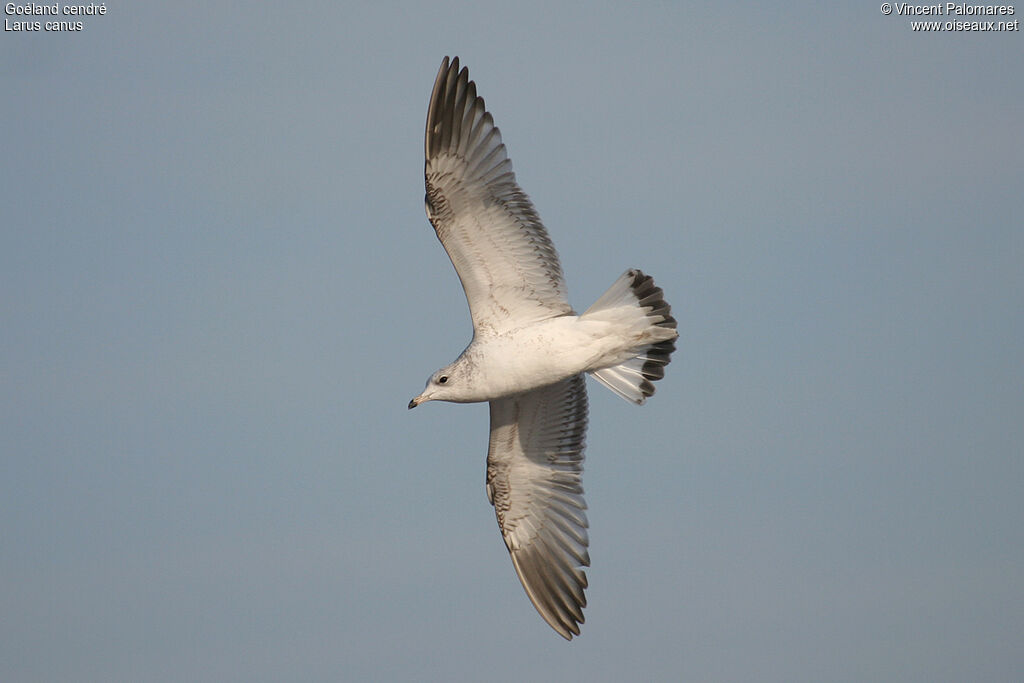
{"points": [[218, 291]]}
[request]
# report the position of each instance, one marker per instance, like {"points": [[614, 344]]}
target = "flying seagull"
{"points": [[530, 350]]}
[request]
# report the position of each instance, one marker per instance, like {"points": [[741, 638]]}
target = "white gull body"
{"points": [[530, 350]]}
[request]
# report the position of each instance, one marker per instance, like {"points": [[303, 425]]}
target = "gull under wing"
{"points": [[500, 249], [534, 465]]}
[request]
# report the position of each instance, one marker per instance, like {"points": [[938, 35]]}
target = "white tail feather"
{"points": [[635, 302]]}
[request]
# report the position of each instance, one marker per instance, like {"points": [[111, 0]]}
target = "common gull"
{"points": [[530, 350]]}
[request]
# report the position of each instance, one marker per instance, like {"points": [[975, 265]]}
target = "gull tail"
{"points": [[638, 305]]}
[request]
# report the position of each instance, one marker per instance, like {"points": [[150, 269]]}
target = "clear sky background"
{"points": [[218, 292]]}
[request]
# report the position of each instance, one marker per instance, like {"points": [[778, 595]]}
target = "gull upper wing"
{"points": [[534, 465], [508, 267]]}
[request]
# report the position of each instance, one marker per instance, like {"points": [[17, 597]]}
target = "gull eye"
{"points": [[443, 379]]}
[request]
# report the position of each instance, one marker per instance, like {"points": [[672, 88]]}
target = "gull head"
{"points": [[442, 386]]}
